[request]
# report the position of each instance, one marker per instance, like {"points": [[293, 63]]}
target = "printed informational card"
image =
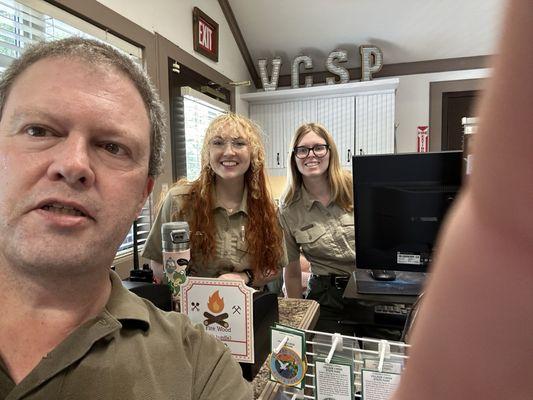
{"points": [[378, 385], [394, 367], [333, 381], [289, 365], [225, 309]]}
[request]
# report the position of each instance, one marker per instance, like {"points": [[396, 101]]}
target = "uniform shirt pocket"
{"points": [[348, 228], [309, 236]]}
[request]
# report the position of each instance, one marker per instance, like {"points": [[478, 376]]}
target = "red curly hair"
{"points": [[263, 232]]}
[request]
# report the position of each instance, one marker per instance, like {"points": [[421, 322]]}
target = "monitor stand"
{"points": [[406, 283]]}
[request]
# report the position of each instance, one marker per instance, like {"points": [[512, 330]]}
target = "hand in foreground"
{"points": [[234, 276]]}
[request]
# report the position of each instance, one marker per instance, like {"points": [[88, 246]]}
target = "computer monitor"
{"points": [[400, 201]]}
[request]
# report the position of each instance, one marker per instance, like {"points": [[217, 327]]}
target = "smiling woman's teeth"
{"points": [[229, 163]]}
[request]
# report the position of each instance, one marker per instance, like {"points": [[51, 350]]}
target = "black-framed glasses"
{"points": [[319, 150]]}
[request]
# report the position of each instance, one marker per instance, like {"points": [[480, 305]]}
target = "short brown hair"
{"points": [[97, 53]]}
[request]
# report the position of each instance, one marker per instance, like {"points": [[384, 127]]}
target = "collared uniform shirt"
{"points": [[325, 235], [133, 350], [231, 252]]}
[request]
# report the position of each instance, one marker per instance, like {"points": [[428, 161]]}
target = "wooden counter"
{"points": [[296, 313]]}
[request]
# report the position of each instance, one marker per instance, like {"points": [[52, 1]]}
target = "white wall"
{"points": [[173, 20], [412, 103]]}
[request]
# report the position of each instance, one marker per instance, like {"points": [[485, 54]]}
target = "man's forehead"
{"points": [[62, 80], [73, 66], [58, 70]]}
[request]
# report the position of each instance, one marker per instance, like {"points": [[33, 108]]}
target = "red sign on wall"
{"points": [[205, 34], [422, 139]]}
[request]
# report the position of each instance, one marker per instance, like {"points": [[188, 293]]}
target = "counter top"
{"points": [[296, 313]]}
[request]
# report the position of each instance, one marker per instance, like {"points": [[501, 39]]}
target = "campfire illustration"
{"points": [[216, 305]]}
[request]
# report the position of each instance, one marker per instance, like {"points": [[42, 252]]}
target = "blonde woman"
{"points": [[317, 217], [235, 233]]}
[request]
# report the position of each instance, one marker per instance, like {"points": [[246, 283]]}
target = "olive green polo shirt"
{"points": [[231, 252], [325, 235], [133, 350]]}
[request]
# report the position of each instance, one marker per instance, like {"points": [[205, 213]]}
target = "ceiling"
{"points": [[405, 30]]}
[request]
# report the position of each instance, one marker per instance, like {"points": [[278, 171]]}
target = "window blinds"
{"points": [[22, 25]]}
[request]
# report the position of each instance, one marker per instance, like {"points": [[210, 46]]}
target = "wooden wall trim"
{"points": [[241, 44], [411, 68], [167, 49], [111, 21]]}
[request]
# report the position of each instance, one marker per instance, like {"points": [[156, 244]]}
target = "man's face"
{"points": [[74, 152]]}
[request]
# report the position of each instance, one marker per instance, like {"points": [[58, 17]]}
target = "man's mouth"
{"points": [[63, 209]]}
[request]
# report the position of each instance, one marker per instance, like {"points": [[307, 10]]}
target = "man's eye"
{"points": [[114, 148], [37, 131]]}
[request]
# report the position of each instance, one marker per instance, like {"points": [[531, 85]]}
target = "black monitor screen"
{"points": [[400, 201]]}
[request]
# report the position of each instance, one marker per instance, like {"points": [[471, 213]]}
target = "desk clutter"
{"points": [[317, 365]]}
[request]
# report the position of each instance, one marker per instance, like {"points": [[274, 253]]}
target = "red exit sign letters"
{"points": [[205, 34]]}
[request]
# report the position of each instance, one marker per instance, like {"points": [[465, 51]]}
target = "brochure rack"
{"points": [[362, 354]]}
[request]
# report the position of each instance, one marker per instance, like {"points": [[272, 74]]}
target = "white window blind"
{"points": [[144, 222], [25, 22], [199, 111]]}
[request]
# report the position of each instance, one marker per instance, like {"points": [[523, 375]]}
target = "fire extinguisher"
{"points": [[422, 139]]}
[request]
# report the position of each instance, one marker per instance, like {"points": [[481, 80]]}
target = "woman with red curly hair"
{"points": [[235, 233]]}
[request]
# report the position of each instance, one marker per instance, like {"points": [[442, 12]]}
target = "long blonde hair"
{"points": [[263, 233], [340, 181]]}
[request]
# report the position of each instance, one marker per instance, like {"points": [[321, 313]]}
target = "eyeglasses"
{"points": [[319, 150], [236, 144]]}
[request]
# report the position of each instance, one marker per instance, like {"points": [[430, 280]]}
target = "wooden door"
{"points": [[456, 105]]}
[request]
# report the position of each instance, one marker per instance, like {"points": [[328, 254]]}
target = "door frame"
{"points": [[167, 50], [444, 125], [436, 90]]}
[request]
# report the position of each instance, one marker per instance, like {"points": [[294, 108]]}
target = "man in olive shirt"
{"points": [[80, 146]]}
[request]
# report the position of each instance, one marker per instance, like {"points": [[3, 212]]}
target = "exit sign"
{"points": [[205, 34]]}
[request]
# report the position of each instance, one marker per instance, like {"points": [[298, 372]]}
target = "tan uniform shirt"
{"points": [[133, 350], [325, 235], [231, 252]]}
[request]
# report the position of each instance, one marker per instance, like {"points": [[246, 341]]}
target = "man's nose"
{"points": [[72, 162]]}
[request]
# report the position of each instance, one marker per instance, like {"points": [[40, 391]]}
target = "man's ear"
{"points": [[146, 192]]}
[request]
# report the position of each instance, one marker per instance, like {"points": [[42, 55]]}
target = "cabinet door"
{"points": [[270, 118], [374, 123], [338, 117], [295, 114]]}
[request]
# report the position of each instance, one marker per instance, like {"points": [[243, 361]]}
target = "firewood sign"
{"points": [[225, 309]]}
